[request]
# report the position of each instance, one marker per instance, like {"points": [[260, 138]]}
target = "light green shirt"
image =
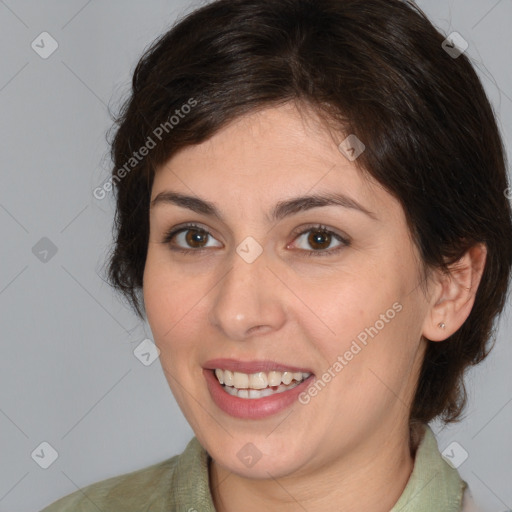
{"points": [[181, 484]]}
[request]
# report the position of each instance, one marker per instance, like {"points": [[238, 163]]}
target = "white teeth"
{"points": [[287, 377], [228, 377], [259, 380], [232, 391], [253, 393], [243, 393], [274, 378], [258, 393], [240, 380]]}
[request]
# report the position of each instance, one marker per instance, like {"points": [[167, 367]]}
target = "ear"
{"points": [[454, 294]]}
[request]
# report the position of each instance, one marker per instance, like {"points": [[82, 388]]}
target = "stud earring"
{"points": [[442, 325]]}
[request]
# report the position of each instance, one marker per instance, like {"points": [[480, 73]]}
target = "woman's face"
{"points": [[262, 289]]}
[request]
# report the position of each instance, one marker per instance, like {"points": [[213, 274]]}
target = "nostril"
{"points": [[258, 328]]}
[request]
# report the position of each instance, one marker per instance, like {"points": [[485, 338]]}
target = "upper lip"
{"points": [[235, 365]]}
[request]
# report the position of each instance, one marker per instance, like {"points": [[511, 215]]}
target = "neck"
{"points": [[370, 478]]}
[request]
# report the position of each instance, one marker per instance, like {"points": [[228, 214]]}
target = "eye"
{"points": [[195, 238], [190, 235], [320, 239]]}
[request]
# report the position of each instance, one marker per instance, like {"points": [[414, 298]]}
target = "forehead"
{"points": [[266, 156]]}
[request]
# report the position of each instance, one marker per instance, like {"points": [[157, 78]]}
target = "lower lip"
{"points": [[252, 408]]}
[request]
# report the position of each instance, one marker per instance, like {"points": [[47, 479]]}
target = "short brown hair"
{"points": [[376, 68]]}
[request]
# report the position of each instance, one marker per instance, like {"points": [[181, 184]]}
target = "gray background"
{"points": [[68, 373]]}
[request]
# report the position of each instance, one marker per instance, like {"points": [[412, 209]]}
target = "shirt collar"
{"points": [[433, 484]]}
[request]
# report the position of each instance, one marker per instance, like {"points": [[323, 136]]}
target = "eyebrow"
{"points": [[281, 210]]}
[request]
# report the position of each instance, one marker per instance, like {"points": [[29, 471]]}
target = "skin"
{"points": [[298, 310]]}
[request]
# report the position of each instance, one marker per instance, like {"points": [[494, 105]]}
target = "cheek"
{"points": [[374, 335], [177, 308], [350, 303], [172, 305], [169, 297]]}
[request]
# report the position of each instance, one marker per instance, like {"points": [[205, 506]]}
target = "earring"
{"points": [[442, 325]]}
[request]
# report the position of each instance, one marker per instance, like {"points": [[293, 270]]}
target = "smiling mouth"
{"points": [[259, 384]]}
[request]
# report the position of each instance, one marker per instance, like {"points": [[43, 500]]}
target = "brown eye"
{"points": [[189, 238], [196, 237], [318, 241]]}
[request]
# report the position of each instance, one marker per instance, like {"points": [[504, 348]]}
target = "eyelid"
{"points": [[297, 232], [344, 240], [175, 230], [320, 227]]}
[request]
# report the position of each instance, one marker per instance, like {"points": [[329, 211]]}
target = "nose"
{"points": [[248, 300]]}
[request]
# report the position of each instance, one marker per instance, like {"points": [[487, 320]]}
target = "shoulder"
{"points": [[135, 491], [127, 491]]}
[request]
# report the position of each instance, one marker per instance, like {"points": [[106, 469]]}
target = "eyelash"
{"points": [[169, 235]]}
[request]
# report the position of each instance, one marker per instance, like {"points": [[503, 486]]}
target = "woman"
{"points": [[311, 213]]}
